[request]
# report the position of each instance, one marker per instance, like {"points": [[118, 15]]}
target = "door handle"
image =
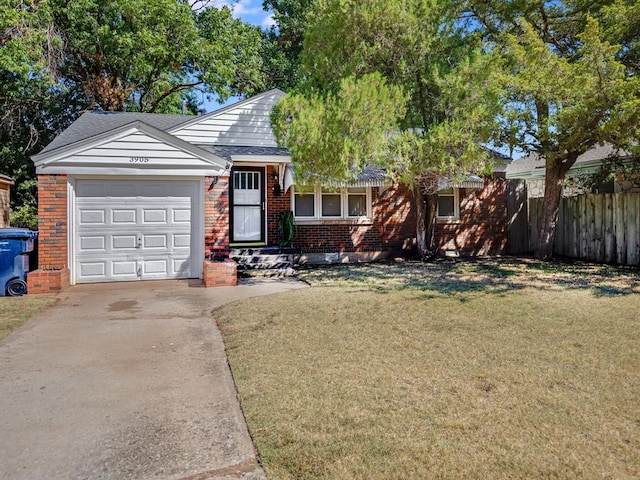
{"points": [[139, 242]]}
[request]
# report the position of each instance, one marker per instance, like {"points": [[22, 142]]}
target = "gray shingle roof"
{"points": [[95, 122], [227, 151], [534, 164]]}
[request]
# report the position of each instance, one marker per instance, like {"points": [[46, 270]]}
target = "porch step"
{"points": [[267, 273], [263, 258]]}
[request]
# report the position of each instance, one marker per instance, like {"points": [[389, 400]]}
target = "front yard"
{"points": [[14, 311], [488, 369]]}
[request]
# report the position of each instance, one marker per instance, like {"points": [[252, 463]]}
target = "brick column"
{"points": [[216, 214], [53, 271], [216, 236]]}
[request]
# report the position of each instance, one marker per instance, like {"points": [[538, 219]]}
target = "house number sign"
{"points": [[139, 160]]}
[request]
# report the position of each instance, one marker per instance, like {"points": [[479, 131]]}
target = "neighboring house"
{"points": [[129, 196], [532, 169], [5, 200]]}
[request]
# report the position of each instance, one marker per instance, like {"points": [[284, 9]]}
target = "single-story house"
{"points": [[531, 168], [5, 200], [130, 196]]}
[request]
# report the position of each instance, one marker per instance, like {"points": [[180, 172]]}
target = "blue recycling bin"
{"points": [[15, 246]]}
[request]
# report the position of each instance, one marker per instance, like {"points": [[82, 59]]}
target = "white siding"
{"points": [[246, 124], [136, 149]]}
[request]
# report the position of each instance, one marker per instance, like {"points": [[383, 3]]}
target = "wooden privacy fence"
{"points": [[597, 227]]}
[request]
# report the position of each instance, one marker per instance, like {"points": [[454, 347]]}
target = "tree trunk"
{"points": [[425, 221], [554, 175]]}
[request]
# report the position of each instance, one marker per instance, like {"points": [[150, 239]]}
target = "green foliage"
{"points": [[567, 88], [283, 42], [25, 216], [336, 135], [417, 47], [59, 58], [131, 54]]}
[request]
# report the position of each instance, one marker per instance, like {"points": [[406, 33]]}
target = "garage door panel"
{"points": [[123, 242], [92, 269], [181, 215], [154, 216], [181, 241], [124, 268], [123, 235], [92, 217], [93, 242], [154, 241], [123, 217]]}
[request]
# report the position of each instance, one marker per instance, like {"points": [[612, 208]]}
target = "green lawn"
{"points": [[489, 369], [14, 311]]}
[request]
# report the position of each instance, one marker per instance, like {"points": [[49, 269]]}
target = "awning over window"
{"points": [[467, 181], [374, 177]]}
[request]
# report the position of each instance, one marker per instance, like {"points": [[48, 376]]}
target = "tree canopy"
{"points": [[59, 58], [565, 86], [395, 84]]}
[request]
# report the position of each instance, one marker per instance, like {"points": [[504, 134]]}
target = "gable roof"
{"points": [[222, 111], [61, 152], [533, 166], [95, 122]]}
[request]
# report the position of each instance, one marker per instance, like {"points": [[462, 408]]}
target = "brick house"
{"points": [[131, 196]]}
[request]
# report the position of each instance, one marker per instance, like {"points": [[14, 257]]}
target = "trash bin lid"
{"points": [[17, 233]]}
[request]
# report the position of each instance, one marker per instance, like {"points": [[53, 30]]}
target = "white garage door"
{"points": [[135, 230]]}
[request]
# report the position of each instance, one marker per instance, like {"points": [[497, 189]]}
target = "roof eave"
{"points": [[42, 159]]}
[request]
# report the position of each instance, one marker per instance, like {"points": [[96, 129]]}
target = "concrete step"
{"points": [[267, 272], [263, 258]]}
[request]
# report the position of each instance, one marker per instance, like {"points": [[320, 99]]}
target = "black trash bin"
{"points": [[15, 245]]}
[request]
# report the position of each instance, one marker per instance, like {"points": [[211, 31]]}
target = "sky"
{"points": [[250, 11]]}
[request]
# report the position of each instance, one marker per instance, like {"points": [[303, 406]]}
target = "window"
{"points": [[327, 203], [331, 203], [304, 205], [357, 202], [448, 204]]}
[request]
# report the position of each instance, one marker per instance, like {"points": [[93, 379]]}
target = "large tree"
{"points": [[140, 55], [396, 84], [61, 57], [566, 87], [283, 45]]}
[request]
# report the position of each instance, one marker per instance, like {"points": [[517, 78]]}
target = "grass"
{"points": [[14, 311], [488, 369]]}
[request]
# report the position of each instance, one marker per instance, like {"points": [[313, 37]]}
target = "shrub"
{"points": [[25, 216]]}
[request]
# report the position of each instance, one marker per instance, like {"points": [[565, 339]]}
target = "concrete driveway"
{"points": [[123, 381]]}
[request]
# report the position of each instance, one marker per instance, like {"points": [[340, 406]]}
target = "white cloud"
{"points": [[245, 7], [268, 21]]}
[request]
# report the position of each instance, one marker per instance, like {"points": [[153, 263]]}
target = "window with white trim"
{"points": [[448, 204], [331, 203]]}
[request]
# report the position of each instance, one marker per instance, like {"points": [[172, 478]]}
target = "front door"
{"points": [[248, 205]]}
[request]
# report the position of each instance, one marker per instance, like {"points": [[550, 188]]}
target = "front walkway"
{"points": [[125, 380]]}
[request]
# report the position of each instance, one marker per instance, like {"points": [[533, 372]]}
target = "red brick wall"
{"points": [[220, 274], [216, 214], [52, 222], [53, 271], [482, 228], [276, 204], [391, 229]]}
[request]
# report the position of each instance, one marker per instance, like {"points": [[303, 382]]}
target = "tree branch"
{"points": [[172, 90]]}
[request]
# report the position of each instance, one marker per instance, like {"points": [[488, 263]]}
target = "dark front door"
{"points": [[248, 205]]}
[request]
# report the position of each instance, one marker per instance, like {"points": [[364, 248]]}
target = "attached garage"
{"points": [[126, 196], [136, 230]]}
